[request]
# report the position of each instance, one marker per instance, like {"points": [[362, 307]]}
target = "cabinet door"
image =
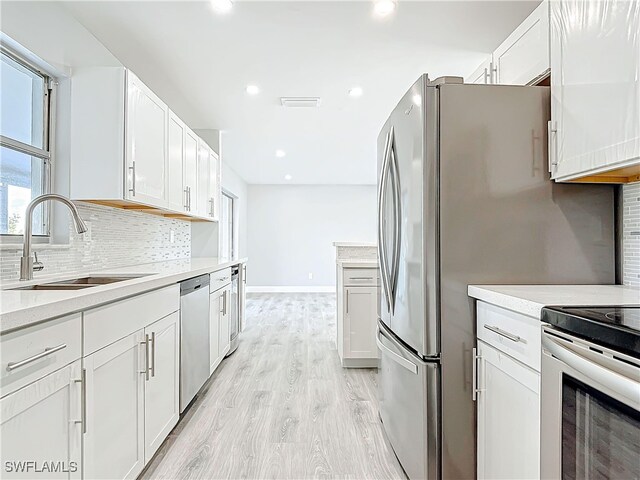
{"points": [[146, 144], [215, 312], [176, 152], [41, 423], [162, 389], [482, 74], [360, 316], [224, 340], [204, 205], [508, 417], [214, 185], [595, 86], [524, 55], [190, 171], [114, 438]]}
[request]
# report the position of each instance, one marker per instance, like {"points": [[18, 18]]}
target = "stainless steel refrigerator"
{"points": [[464, 197]]}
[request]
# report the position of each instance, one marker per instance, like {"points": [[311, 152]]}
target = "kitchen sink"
{"points": [[77, 283]]}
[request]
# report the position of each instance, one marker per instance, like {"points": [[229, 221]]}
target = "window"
{"points": [[24, 144], [226, 226]]}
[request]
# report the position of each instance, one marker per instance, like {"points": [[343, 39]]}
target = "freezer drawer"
{"points": [[408, 394]]}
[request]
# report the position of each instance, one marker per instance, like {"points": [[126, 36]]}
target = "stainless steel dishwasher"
{"points": [[194, 337], [234, 310]]}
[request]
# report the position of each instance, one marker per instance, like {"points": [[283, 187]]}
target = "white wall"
{"points": [[233, 184], [291, 231]]}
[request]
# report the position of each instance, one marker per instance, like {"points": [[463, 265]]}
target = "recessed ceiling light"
{"points": [[280, 153], [288, 177], [383, 8], [253, 90], [222, 6], [355, 92]]}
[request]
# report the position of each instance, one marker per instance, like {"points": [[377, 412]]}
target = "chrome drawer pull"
{"points": [[47, 351], [510, 336], [360, 278]]}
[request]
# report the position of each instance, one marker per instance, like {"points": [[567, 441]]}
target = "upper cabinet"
{"points": [[595, 91], [128, 149], [523, 58]]}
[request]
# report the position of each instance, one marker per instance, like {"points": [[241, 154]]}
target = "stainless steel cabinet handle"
{"points": [[211, 210], [403, 362], [186, 198], [347, 301], [552, 140], [493, 68], [189, 202], [47, 351], [225, 301], [361, 278], [83, 406], [499, 331], [153, 354], [486, 76], [475, 387], [132, 168], [146, 356]]}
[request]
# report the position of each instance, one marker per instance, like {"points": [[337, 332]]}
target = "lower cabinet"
{"points": [[508, 416], [114, 430], [41, 427], [218, 326], [359, 322], [162, 388], [224, 338]]}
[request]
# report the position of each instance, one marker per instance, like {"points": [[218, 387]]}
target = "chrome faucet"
{"points": [[27, 264]]}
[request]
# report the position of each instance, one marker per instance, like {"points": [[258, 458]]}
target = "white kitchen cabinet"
{"points": [[357, 307], [162, 388], [482, 74], [595, 91], [524, 56], [204, 199], [190, 170], [42, 423], [224, 339], [127, 149], [176, 134], [359, 315], [215, 313], [114, 437], [508, 417], [146, 144], [215, 194]]}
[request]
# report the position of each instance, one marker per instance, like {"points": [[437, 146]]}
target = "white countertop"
{"points": [[355, 244], [20, 308], [529, 299]]}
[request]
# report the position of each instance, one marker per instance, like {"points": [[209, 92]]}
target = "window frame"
{"points": [[45, 153]]}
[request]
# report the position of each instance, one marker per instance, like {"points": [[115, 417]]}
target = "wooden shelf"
{"points": [[620, 176]]}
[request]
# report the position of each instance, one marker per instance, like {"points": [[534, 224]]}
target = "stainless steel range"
{"points": [[590, 393]]}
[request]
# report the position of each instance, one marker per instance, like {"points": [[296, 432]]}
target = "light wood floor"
{"points": [[282, 407]]}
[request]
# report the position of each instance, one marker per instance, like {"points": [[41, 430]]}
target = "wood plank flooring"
{"points": [[282, 407]]}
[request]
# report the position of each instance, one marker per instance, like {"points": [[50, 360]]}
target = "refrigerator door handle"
{"points": [[403, 362], [397, 223], [381, 241]]}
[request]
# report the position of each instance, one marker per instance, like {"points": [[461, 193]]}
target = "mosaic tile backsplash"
{"points": [[116, 238], [631, 234]]}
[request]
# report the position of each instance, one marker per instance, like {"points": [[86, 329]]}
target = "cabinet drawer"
{"points": [[219, 279], [104, 325], [33, 352], [360, 276], [510, 332]]}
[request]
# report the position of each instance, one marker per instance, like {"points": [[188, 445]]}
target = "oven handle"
{"points": [[624, 381]]}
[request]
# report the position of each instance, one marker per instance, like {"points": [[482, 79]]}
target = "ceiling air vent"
{"points": [[307, 102]]}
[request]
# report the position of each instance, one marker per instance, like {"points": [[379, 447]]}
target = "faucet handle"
{"points": [[37, 266]]}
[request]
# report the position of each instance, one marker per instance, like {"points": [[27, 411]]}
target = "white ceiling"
{"points": [[200, 62]]}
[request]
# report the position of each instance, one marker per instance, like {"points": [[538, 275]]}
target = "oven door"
{"points": [[590, 410]]}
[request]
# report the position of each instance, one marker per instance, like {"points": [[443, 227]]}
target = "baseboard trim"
{"points": [[291, 289]]}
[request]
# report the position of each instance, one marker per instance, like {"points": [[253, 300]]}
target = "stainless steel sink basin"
{"points": [[77, 283]]}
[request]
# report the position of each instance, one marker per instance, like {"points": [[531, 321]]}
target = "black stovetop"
{"points": [[616, 327]]}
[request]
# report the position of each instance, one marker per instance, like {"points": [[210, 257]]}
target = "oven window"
{"points": [[600, 435]]}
